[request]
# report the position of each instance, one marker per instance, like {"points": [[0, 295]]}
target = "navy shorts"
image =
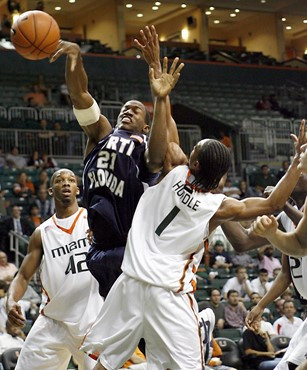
{"points": [[105, 266]]}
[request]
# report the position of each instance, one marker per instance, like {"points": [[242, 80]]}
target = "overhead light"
{"points": [[138, 56], [263, 1], [129, 5], [284, 19], [288, 28], [233, 15], [72, 1], [208, 12], [237, 10], [184, 34], [157, 3], [183, 5], [211, 8], [216, 21], [305, 51], [140, 15], [305, 21], [155, 7], [57, 8]]}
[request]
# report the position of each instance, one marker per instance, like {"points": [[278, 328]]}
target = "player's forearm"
{"points": [[77, 83], [292, 244], [279, 285], [17, 288], [293, 213], [157, 145]]}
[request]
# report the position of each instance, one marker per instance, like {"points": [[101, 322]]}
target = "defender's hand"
{"points": [[265, 226]]}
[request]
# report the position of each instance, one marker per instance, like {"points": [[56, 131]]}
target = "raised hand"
{"points": [[150, 48], [253, 317], [163, 85], [301, 139], [265, 226], [71, 49], [303, 159]]}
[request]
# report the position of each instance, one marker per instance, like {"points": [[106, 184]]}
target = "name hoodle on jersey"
{"points": [[103, 175], [185, 195]]}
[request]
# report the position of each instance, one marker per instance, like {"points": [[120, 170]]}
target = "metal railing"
{"points": [[16, 241]]}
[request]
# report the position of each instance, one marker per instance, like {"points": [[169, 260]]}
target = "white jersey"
{"points": [[298, 266], [70, 292], [165, 242]]}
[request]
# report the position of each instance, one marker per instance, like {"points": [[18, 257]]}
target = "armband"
{"points": [[87, 116]]}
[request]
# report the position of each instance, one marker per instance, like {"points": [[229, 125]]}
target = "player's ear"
{"points": [[78, 191], [50, 192], [146, 129]]}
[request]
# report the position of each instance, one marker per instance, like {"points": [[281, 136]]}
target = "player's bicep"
{"points": [[32, 260]]}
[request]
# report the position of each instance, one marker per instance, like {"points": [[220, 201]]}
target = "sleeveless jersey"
{"points": [[115, 176], [298, 265], [70, 292], [165, 242]]}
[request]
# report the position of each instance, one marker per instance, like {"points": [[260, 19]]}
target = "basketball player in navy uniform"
{"points": [[119, 163]]}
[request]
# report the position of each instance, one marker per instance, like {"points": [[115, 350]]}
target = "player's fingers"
{"points": [[303, 147], [151, 74], [56, 55], [173, 66], [138, 44], [143, 36], [179, 68], [148, 33], [302, 130], [165, 61]]}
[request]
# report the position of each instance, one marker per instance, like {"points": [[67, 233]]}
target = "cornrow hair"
{"points": [[214, 161]]}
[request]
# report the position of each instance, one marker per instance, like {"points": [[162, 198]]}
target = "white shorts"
{"points": [[297, 348], [166, 320], [49, 345]]}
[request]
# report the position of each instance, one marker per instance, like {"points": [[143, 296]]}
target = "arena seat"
{"points": [[233, 334], [280, 342], [9, 358], [230, 353]]}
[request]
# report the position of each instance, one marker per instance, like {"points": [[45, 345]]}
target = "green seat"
{"points": [[234, 334]]}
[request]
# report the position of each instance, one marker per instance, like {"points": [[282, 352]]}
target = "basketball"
{"points": [[35, 35]]}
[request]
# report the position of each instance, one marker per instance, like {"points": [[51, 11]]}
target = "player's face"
{"points": [[64, 187], [132, 117]]}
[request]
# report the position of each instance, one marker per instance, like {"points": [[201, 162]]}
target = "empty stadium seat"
{"points": [[230, 353]]}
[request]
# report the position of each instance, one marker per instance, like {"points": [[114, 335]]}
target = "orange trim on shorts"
{"points": [[199, 333], [71, 229], [186, 266]]}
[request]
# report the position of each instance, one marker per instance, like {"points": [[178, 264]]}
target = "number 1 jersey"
{"points": [[70, 292]]}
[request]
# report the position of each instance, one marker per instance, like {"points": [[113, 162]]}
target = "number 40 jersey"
{"points": [[70, 292]]}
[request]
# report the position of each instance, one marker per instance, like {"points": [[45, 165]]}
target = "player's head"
{"points": [[134, 117], [63, 187], [209, 162]]}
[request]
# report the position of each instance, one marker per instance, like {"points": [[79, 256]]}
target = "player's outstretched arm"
{"points": [[293, 243], [87, 112], [161, 87], [149, 45], [279, 285], [20, 283]]}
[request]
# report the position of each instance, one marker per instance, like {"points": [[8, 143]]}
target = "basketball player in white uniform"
{"points": [[153, 297], [71, 300]]}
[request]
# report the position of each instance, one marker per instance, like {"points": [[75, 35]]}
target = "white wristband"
{"points": [[87, 116]]}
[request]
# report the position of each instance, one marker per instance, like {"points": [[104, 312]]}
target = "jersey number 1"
{"points": [[74, 267], [167, 220]]}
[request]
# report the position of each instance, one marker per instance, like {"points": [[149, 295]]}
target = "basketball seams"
{"points": [[47, 33]]}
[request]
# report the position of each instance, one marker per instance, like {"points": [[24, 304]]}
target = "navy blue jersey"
{"points": [[113, 178]]}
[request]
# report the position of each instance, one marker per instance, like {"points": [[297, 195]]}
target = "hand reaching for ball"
{"points": [[71, 49]]}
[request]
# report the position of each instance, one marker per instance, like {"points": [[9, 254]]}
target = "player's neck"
{"points": [[64, 211]]}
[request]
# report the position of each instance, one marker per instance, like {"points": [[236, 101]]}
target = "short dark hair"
{"points": [[57, 172], [240, 267], [3, 285], [263, 271], [212, 290], [288, 301], [231, 291], [214, 161]]}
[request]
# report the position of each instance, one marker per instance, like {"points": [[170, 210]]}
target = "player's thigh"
{"points": [[119, 327], [172, 331], [44, 347]]}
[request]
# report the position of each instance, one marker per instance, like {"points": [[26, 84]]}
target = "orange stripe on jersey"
{"points": [[186, 266], [48, 299], [192, 186], [199, 333], [71, 229], [138, 138]]}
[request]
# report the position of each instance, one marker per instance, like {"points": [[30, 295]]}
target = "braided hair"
{"points": [[214, 161]]}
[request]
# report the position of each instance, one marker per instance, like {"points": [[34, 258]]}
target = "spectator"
{"points": [[34, 218], [4, 203], [59, 140], [220, 258], [276, 271], [284, 167], [64, 95], [243, 259], [260, 284], [247, 191], [263, 103], [287, 295], [43, 181], [217, 307], [48, 161], [44, 205], [23, 187], [287, 324], [44, 137], [5, 27], [235, 311], [240, 283], [230, 190], [264, 179], [15, 160], [279, 308], [258, 348], [35, 160], [225, 139], [2, 159], [7, 269], [13, 338], [3, 314], [266, 259], [36, 97], [255, 298]]}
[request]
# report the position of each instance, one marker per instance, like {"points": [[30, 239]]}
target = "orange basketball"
{"points": [[35, 35]]}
